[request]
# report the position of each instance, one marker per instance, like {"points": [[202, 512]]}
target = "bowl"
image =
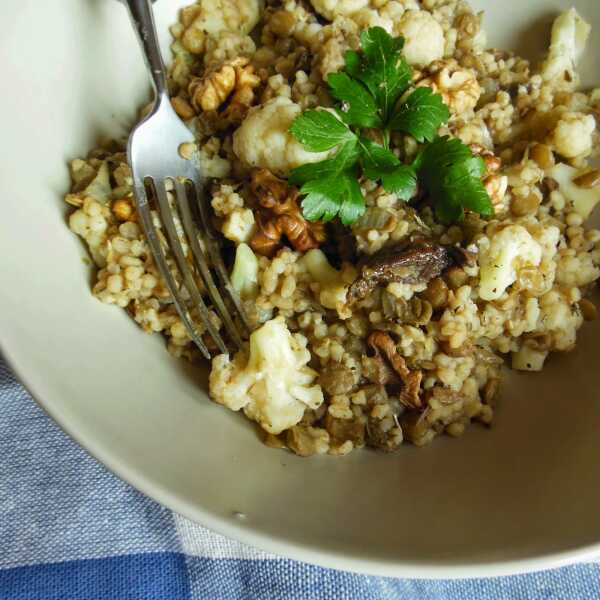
{"points": [[522, 496]]}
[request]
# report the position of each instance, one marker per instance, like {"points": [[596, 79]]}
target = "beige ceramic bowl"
{"points": [[522, 496]]}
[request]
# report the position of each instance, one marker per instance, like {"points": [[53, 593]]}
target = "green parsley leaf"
{"points": [[345, 158], [358, 106], [368, 92], [452, 176], [353, 206], [375, 159], [475, 166], [381, 67], [319, 130], [421, 115], [333, 196], [471, 189], [379, 163], [443, 152], [402, 181]]}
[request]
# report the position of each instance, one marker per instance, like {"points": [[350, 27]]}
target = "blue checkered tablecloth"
{"points": [[71, 530]]}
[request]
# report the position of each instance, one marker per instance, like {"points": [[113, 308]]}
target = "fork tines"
{"points": [[194, 268]]}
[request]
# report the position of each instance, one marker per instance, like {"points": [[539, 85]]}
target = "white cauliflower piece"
{"points": [[367, 17], [333, 289], [547, 237], [213, 165], [264, 139], [216, 16], [244, 277], [572, 135], [559, 318], [330, 9], [567, 44], [239, 225], [272, 383], [501, 256], [91, 181], [583, 200], [528, 358], [424, 37], [576, 271]]}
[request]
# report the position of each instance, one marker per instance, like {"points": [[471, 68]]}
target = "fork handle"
{"points": [[142, 19]]}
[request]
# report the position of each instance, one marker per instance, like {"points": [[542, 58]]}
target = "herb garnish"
{"points": [[373, 94]]}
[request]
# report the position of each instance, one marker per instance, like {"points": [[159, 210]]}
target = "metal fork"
{"points": [[158, 172]]}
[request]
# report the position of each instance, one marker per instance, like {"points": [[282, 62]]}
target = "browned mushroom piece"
{"points": [[414, 262], [281, 216], [397, 372]]}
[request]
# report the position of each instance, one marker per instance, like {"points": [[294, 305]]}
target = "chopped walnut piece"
{"points": [[281, 217], [458, 87], [209, 93], [496, 186], [243, 97], [267, 239], [385, 350], [494, 183]]}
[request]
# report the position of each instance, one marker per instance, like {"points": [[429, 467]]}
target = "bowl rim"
{"points": [[302, 552]]}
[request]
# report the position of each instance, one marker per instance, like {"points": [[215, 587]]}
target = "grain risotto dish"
{"points": [[402, 210]]}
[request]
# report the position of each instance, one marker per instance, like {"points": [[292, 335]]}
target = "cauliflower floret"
{"points": [[333, 289], [91, 180], [239, 225], [528, 358], [560, 318], [424, 37], [244, 277], [583, 199], [214, 166], [264, 139], [572, 135], [567, 43], [272, 384], [501, 256], [212, 17], [331, 9], [367, 17], [228, 45], [577, 270]]}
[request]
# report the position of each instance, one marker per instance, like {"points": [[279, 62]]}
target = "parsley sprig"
{"points": [[374, 99]]}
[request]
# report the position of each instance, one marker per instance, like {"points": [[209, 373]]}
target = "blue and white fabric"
{"points": [[70, 530]]}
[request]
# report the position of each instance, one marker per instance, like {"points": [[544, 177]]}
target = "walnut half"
{"points": [[236, 79], [281, 216], [458, 87]]}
